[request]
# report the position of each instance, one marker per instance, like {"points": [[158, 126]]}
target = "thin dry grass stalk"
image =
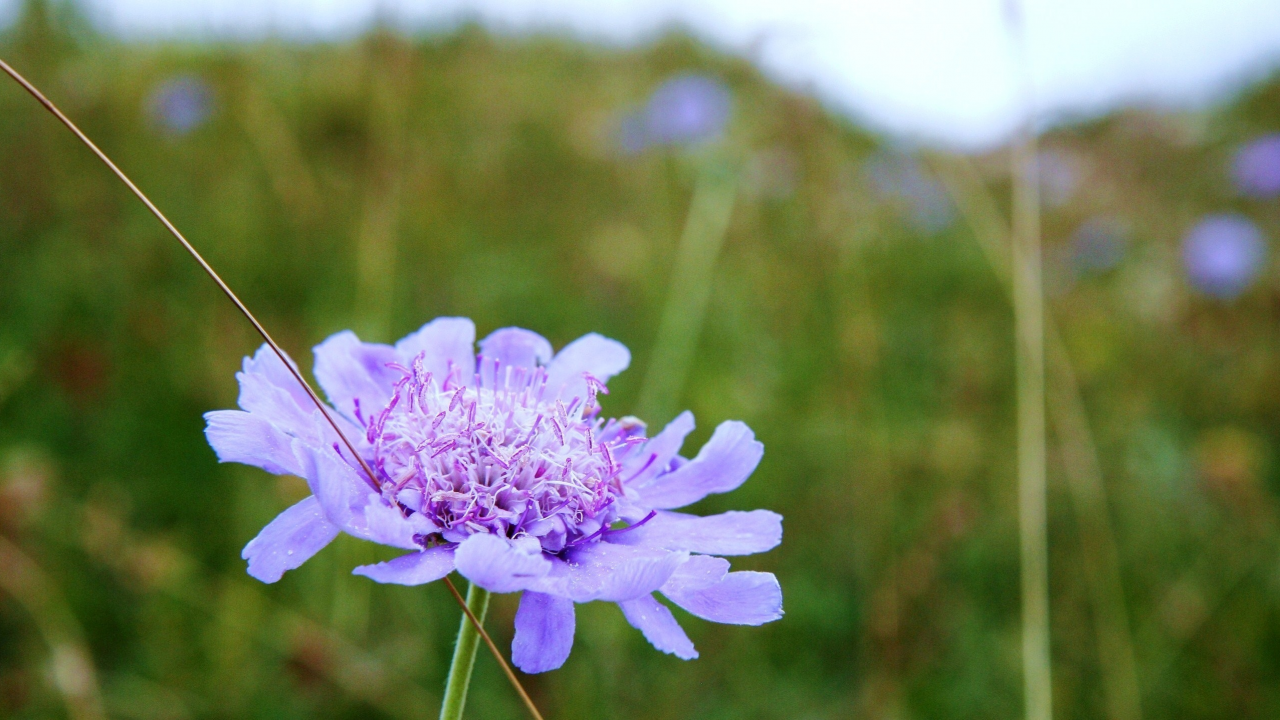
{"points": [[262, 331]]}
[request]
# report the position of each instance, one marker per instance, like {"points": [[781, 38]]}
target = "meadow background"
{"points": [[858, 319]]}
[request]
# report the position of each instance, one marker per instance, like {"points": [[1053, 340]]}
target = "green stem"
{"points": [[464, 655], [686, 305]]}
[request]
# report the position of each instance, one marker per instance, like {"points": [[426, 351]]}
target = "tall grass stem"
{"points": [[1028, 310], [690, 290], [261, 330], [1078, 451], [1028, 320]]}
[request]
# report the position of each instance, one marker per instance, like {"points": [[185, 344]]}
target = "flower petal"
{"points": [[270, 393], [659, 626], [348, 370], [417, 568], [605, 571], [592, 353], [702, 571], [730, 533], [544, 632], [513, 347], [497, 565], [724, 463], [446, 343], [288, 541], [243, 437], [385, 524], [338, 487], [739, 598], [265, 364], [662, 448]]}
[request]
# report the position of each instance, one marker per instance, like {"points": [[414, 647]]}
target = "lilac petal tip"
{"points": [[739, 598], [417, 568], [243, 437], [291, 539], [659, 626], [658, 452], [730, 533], [446, 343], [350, 370], [724, 463], [593, 354], [516, 347], [544, 632]]}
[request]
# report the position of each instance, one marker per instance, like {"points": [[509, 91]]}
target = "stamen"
{"points": [[472, 450], [608, 457], [652, 457], [652, 514]]}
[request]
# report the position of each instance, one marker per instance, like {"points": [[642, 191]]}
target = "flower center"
{"points": [[496, 456]]}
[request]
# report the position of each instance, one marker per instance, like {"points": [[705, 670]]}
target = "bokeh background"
{"points": [[842, 292]]}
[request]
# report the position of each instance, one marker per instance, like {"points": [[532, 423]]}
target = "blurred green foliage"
{"points": [[381, 182]]}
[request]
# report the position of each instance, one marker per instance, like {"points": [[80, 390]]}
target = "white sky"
{"points": [[933, 70]]}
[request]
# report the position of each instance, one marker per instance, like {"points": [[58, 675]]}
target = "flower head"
{"points": [[181, 104], [1256, 167], [499, 465], [688, 110], [1223, 254]]}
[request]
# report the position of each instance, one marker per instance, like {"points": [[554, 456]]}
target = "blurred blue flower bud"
{"points": [[688, 109], [181, 104], [1223, 254], [1256, 169]]}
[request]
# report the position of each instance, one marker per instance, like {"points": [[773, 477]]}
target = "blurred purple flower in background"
{"points": [[901, 180], [181, 104], [1223, 254], [499, 466], [1098, 245], [1256, 168], [685, 110]]}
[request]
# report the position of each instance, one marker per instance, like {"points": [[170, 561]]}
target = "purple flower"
{"points": [[1223, 254], [499, 466], [181, 104], [685, 110], [1256, 169], [688, 109]]}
